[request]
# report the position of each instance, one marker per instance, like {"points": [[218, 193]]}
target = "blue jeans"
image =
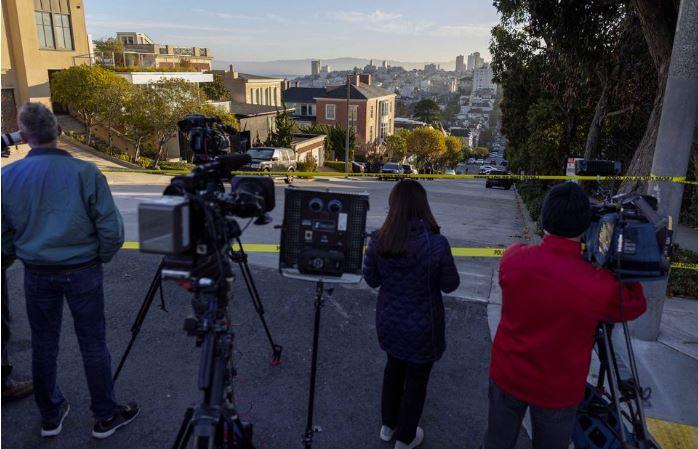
{"points": [[82, 289]]}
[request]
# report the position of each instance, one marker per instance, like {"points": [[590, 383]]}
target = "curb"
{"points": [[98, 153]]}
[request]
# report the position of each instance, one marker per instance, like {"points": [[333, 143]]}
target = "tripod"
{"points": [[310, 429], [240, 257], [215, 423]]}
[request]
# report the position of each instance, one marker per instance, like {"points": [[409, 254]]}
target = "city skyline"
{"points": [[408, 31]]}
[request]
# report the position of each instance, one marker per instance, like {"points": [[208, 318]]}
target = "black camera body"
{"points": [[627, 235], [194, 222], [208, 136]]}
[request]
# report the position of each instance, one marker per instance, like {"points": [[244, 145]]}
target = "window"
{"points": [[353, 113], [329, 111], [53, 26], [370, 136], [371, 111], [304, 109]]}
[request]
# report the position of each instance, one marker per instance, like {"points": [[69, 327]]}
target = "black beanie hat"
{"points": [[566, 211]]}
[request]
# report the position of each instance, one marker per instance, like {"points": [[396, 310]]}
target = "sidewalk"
{"points": [[687, 238]]}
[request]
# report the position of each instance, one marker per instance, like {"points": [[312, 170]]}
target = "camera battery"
{"points": [[163, 225]]}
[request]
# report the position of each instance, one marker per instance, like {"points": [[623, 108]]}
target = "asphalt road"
{"points": [[161, 373]]}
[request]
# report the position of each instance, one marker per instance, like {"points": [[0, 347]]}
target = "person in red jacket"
{"points": [[552, 302]]}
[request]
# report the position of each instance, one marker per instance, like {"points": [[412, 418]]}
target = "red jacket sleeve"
{"points": [[624, 304]]}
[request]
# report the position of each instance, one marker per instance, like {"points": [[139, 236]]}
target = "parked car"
{"points": [[461, 169], [479, 161], [392, 168], [485, 169], [358, 167], [271, 159], [504, 163], [449, 171], [409, 169], [505, 183], [472, 160], [374, 167]]}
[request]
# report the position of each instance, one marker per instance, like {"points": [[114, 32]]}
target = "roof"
{"points": [[250, 77], [302, 94], [252, 110], [358, 92]]}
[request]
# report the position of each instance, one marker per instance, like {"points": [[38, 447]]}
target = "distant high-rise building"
{"points": [[460, 64], [482, 78], [315, 67], [385, 64], [431, 67], [325, 69], [475, 61]]}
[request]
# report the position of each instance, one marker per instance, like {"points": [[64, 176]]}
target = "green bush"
{"points": [[308, 165], [336, 165], [175, 166], [123, 156], [145, 162], [532, 196], [683, 282]]}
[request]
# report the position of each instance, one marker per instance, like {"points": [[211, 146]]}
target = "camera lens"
{"points": [[315, 204], [335, 206]]}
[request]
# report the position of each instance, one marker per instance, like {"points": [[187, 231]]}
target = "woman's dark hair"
{"points": [[408, 205]]}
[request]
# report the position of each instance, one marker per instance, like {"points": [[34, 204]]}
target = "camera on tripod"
{"points": [[627, 234], [208, 136], [193, 223]]}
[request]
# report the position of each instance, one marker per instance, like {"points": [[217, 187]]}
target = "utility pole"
{"points": [[346, 143], [673, 148]]}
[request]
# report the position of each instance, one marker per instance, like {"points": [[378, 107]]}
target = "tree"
{"points": [[80, 88], [110, 46], [427, 110], [114, 97], [427, 145], [454, 151], [216, 90], [396, 146], [336, 143], [282, 134], [173, 99]]}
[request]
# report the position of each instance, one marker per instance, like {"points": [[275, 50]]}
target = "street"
{"points": [[161, 372]]}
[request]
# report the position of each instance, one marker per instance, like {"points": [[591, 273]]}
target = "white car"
{"points": [[450, 171], [485, 169], [480, 161], [471, 160]]}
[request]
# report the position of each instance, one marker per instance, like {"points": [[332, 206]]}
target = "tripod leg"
{"points": [[184, 430], [613, 382], [241, 259], [155, 284], [309, 428]]}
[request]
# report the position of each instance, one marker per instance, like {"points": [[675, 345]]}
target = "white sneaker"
{"points": [[418, 438], [387, 433]]}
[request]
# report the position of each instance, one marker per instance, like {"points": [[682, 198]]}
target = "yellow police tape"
{"points": [[457, 252], [681, 179]]}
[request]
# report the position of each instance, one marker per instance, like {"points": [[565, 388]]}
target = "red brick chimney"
{"points": [[365, 78]]}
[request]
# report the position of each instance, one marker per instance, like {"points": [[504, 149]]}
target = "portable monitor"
{"points": [[323, 235]]}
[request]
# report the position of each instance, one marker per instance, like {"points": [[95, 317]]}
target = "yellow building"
{"points": [[39, 37]]}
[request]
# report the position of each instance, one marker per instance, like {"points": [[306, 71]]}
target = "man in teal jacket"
{"points": [[59, 219]]}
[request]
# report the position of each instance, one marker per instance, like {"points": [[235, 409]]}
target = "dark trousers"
{"points": [[552, 428], [83, 292], [404, 392], [5, 317]]}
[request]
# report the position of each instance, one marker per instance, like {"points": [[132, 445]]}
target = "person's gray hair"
{"points": [[37, 123]]}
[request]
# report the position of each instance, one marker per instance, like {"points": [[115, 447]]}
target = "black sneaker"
{"points": [[124, 414], [53, 428]]}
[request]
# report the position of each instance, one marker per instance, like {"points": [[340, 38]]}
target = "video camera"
{"points": [[9, 139], [193, 223], [208, 136], [627, 234]]}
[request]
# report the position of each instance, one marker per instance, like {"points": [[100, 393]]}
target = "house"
{"points": [[256, 121], [309, 145], [39, 38], [140, 50], [251, 89], [371, 110], [302, 100]]}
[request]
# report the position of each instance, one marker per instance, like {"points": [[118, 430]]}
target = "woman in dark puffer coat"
{"points": [[412, 264]]}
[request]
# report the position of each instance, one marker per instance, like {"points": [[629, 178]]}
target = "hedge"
{"points": [[336, 165]]}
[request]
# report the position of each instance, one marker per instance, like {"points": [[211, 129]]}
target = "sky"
{"points": [[265, 30]]}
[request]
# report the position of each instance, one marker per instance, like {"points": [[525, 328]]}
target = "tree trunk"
{"points": [[658, 18], [592, 143], [563, 148], [158, 156], [137, 153]]}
